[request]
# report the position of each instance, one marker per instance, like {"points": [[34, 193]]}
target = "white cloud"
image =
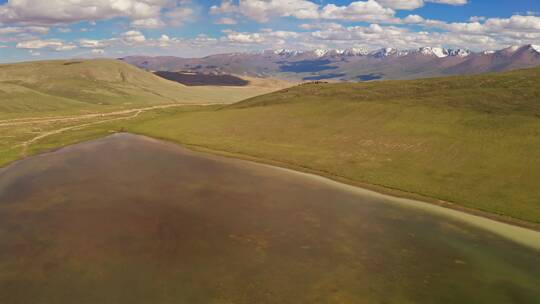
{"points": [[164, 41], [133, 37], [402, 4], [150, 23], [52, 44], [63, 11], [367, 11], [413, 19], [514, 26], [23, 29], [325, 25], [92, 44], [450, 2], [244, 37], [263, 10], [414, 4]]}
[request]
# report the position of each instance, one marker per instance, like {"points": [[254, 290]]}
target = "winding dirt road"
{"points": [[103, 118], [32, 120]]}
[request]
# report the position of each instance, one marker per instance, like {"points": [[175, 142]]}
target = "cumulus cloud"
{"points": [[263, 10], [413, 19], [414, 4], [367, 11], [244, 37], [133, 37], [52, 44], [515, 26], [62, 11], [142, 13], [451, 2], [402, 4], [480, 34], [24, 29], [325, 24], [149, 23], [92, 44]]}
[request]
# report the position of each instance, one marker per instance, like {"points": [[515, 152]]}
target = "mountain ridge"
{"points": [[351, 64]]}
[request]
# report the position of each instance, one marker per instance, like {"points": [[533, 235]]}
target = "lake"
{"points": [[129, 219]]}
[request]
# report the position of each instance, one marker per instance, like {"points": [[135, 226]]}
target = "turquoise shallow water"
{"points": [[128, 219]]}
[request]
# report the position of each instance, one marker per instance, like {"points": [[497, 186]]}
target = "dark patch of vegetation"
{"points": [[72, 62], [200, 79]]}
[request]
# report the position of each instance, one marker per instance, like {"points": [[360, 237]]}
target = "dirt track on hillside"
{"points": [[31, 120], [79, 121]]}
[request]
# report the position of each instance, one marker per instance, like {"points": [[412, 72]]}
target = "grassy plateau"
{"points": [[473, 141]]}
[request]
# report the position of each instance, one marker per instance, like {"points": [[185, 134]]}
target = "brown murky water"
{"points": [[127, 219]]}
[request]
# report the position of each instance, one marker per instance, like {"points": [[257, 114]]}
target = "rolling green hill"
{"points": [[473, 141], [56, 87], [43, 98]]}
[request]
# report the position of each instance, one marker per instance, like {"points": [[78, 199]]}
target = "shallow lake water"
{"points": [[128, 219]]}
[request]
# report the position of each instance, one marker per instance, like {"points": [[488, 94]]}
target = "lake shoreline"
{"points": [[409, 198], [397, 193], [523, 235]]}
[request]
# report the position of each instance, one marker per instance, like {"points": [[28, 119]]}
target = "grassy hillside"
{"points": [[473, 141], [511, 92], [51, 87]]}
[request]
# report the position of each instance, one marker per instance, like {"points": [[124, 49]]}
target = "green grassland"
{"points": [[40, 98], [473, 141], [52, 88]]}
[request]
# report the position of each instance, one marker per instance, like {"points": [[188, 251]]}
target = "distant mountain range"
{"points": [[353, 64]]}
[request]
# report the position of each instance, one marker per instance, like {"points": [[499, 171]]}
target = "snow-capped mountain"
{"points": [[321, 52], [434, 51], [387, 52], [350, 64], [459, 52], [287, 52], [356, 52]]}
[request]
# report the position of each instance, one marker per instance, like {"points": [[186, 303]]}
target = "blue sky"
{"points": [[37, 29]]}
